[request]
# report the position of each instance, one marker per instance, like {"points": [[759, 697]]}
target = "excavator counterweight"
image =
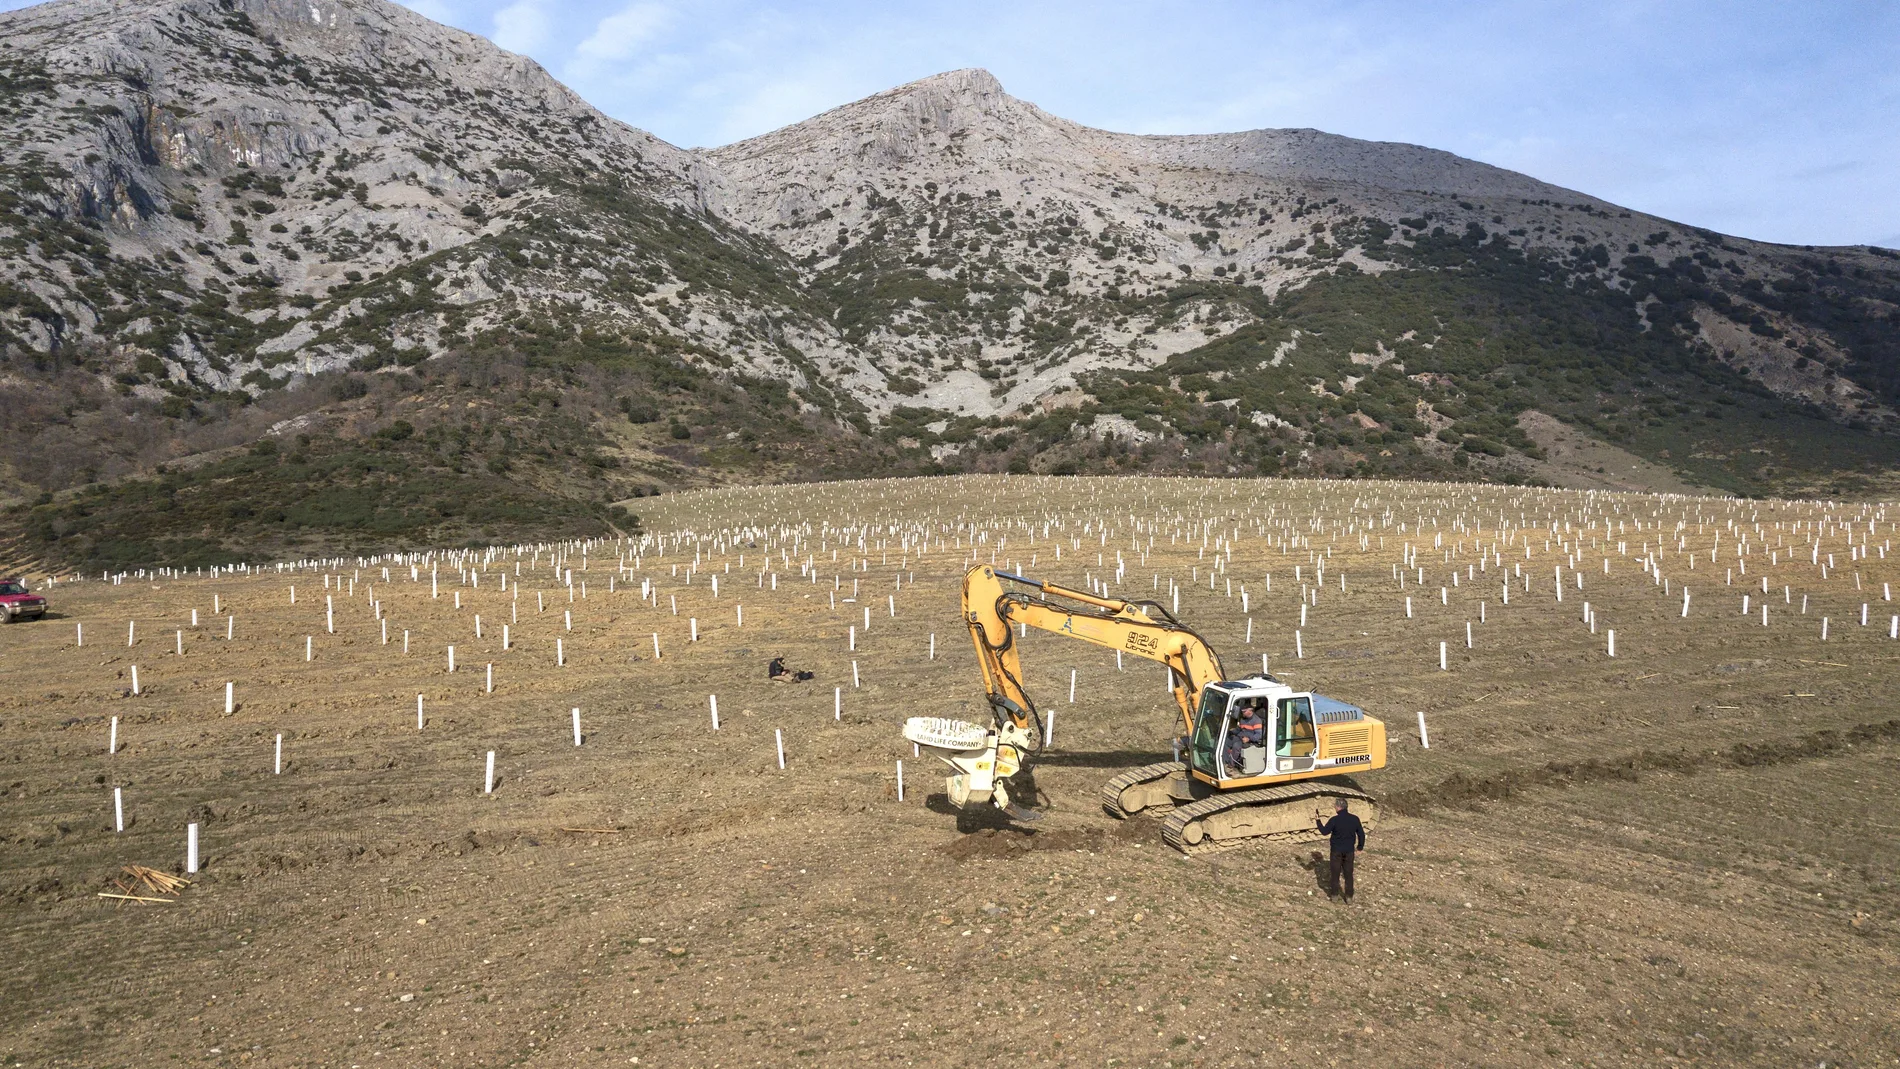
{"points": [[1257, 755]]}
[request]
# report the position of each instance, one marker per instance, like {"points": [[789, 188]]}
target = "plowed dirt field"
{"points": [[1685, 853]]}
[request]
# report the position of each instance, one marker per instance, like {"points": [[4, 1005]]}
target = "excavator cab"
{"points": [[1292, 730], [1221, 707]]}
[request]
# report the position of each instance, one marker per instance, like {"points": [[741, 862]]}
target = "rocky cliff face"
{"points": [[197, 121], [205, 204], [233, 187]]}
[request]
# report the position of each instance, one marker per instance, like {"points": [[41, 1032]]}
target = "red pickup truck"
{"points": [[18, 603]]}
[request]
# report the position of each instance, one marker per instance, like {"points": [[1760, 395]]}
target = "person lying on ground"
{"points": [[778, 673]]}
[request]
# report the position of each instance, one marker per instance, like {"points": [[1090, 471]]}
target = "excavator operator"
{"points": [[1248, 732]]}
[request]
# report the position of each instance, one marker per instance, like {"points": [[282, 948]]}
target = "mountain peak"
{"points": [[974, 81], [961, 129], [897, 123]]}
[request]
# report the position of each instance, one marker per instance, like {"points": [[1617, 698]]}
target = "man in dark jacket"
{"points": [[1348, 840]]}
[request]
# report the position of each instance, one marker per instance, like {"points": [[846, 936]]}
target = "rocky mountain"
{"points": [[951, 177], [249, 241], [260, 167]]}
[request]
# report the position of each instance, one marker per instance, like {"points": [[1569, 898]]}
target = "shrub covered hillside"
{"points": [[431, 472], [492, 445]]}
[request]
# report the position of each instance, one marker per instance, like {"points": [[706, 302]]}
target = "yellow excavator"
{"points": [[1222, 792]]}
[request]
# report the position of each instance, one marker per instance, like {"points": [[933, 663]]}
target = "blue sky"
{"points": [[1778, 121]]}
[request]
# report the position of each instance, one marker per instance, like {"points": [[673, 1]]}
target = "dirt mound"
{"points": [[1463, 789]]}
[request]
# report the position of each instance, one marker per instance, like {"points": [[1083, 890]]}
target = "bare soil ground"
{"points": [[1685, 853]]}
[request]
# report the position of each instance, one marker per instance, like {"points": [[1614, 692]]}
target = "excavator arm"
{"points": [[1141, 629], [982, 758]]}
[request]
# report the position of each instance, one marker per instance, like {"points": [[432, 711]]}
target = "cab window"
{"points": [[1205, 745], [1295, 736]]}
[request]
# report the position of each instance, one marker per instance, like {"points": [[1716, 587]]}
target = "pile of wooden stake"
{"points": [[149, 881]]}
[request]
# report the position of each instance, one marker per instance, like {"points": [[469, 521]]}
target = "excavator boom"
{"points": [[1130, 627]]}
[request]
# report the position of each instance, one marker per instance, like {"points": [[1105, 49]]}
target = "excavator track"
{"points": [[1145, 788], [1274, 814]]}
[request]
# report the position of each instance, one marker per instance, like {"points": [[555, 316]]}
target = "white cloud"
{"points": [[521, 26], [618, 36]]}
